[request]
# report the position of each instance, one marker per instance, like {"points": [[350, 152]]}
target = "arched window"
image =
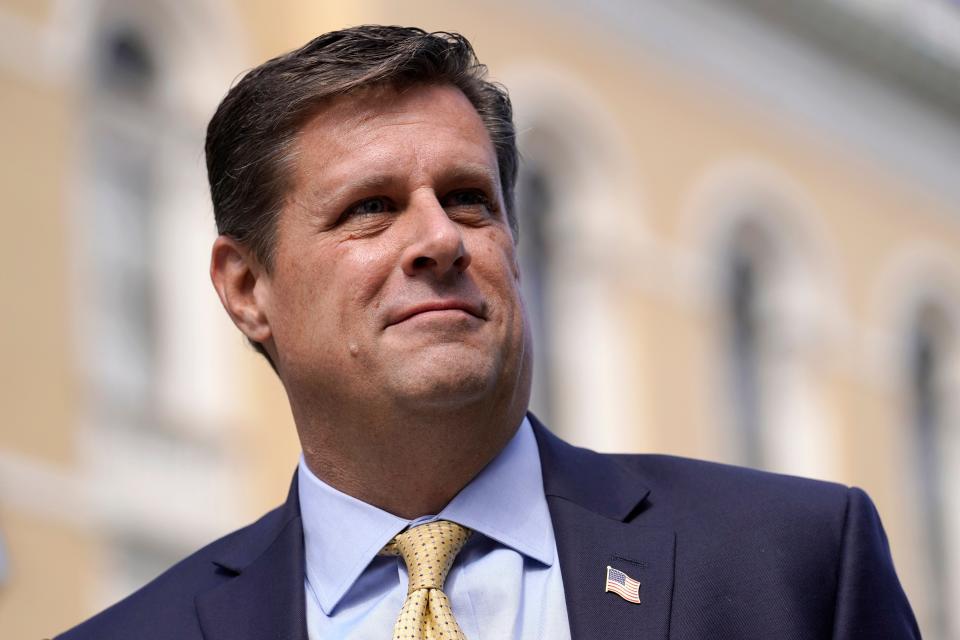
{"points": [[572, 210], [771, 275], [151, 349], [930, 346]]}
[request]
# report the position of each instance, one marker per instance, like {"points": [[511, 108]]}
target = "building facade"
{"points": [[740, 237]]}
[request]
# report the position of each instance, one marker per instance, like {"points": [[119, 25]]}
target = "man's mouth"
{"points": [[475, 309]]}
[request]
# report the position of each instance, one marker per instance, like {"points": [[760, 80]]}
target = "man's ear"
{"points": [[236, 274]]}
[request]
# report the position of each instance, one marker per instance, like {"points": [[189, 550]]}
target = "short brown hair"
{"points": [[250, 136]]}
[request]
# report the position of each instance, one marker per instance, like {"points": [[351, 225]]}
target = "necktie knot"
{"points": [[428, 550]]}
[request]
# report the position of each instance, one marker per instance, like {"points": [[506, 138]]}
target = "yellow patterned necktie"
{"points": [[428, 551]]}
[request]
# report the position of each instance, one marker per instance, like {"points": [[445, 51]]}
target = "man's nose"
{"points": [[436, 245]]}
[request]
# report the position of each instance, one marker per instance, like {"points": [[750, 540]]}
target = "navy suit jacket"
{"points": [[720, 552]]}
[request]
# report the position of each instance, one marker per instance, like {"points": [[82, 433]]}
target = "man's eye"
{"points": [[467, 199], [369, 206]]}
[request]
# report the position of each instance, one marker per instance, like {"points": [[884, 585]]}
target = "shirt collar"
{"points": [[505, 502]]}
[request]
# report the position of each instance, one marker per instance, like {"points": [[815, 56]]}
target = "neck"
{"points": [[412, 465]]}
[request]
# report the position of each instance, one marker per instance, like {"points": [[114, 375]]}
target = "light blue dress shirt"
{"points": [[505, 583]]}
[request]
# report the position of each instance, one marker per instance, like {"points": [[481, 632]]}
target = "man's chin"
{"points": [[445, 379]]}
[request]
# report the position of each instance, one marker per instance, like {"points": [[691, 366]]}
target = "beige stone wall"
{"points": [[53, 568], [38, 393]]}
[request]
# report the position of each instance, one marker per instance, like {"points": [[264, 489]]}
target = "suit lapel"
{"points": [[597, 510], [265, 598]]}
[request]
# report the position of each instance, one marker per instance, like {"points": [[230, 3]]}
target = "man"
{"points": [[363, 190]]}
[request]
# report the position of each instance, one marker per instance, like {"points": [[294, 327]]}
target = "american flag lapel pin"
{"points": [[623, 585]]}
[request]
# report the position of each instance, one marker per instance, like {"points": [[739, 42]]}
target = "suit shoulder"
{"points": [[676, 468], [723, 488], [164, 607]]}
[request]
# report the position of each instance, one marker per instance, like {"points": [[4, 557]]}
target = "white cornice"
{"points": [[727, 49]]}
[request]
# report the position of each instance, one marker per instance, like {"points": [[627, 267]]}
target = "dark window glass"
{"points": [[534, 205], [747, 262], [125, 63], [930, 343]]}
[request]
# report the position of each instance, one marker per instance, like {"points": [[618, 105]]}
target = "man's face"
{"points": [[395, 278]]}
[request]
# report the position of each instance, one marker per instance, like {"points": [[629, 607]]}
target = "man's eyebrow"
{"points": [[370, 184], [471, 172]]}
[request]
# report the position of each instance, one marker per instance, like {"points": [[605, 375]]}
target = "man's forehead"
{"points": [[367, 124], [366, 104]]}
